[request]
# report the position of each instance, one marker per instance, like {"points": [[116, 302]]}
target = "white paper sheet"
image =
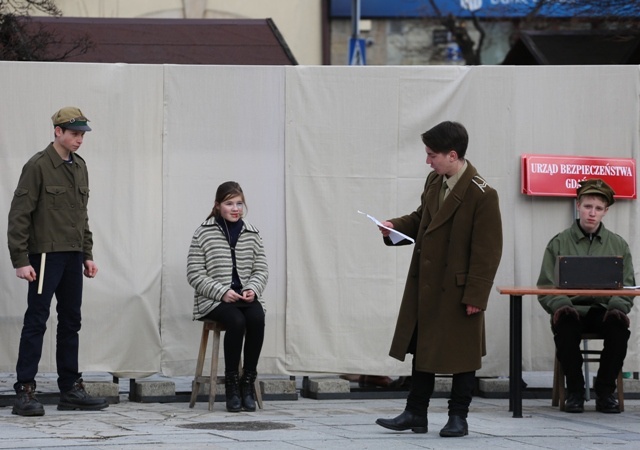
{"points": [[395, 236]]}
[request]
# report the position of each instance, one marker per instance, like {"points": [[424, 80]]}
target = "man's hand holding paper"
{"points": [[386, 228]]}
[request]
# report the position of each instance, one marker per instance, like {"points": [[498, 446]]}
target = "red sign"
{"points": [[550, 175]]}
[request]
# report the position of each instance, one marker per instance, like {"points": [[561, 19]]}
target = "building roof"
{"points": [[574, 47], [172, 41]]}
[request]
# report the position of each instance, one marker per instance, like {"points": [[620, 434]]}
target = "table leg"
{"points": [[515, 355], [512, 386]]}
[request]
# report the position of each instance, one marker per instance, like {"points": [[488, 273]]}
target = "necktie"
{"points": [[444, 190]]}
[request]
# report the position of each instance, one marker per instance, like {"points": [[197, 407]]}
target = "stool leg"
{"points": [[195, 385], [620, 389], [562, 391], [213, 381], [555, 391], [258, 394]]}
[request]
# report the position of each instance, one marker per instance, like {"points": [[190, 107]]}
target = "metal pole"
{"points": [[355, 19], [587, 381]]}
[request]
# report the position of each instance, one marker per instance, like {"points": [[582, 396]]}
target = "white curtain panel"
{"points": [[222, 123], [121, 306]]}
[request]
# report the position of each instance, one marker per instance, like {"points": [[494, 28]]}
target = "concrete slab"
{"points": [[155, 388], [278, 387], [321, 386]]}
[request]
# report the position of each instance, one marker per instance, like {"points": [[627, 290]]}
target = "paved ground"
{"points": [[314, 424]]}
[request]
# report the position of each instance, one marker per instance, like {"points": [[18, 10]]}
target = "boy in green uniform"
{"points": [[572, 316], [50, 244]]}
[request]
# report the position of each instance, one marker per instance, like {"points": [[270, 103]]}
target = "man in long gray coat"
{"points": [[458, 244]]}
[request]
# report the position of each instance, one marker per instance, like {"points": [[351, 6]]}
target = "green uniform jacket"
{"points": [[210, 266], [573, 242], [49, 208], [455, 258]]}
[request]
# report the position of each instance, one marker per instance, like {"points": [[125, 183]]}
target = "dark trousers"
{"points": [[567, 338], [243, 321], [423, 383], [62, 277]]}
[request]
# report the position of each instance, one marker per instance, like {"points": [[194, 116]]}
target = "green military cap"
{"points": [[596, 186], [70, 118]]}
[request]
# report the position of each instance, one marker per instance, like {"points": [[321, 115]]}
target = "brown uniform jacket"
{"points": [[455, 259]]}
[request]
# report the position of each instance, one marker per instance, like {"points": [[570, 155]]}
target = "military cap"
{"points": [[70, 118], [596, 186]]}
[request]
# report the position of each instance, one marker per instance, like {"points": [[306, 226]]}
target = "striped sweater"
{"points": [[209, 265]]}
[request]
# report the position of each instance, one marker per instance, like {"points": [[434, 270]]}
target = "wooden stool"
{"points": [[211, 379], [558, 394]]}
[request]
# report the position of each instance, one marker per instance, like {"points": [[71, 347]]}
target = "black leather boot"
{"points": [[78, 398], [247, 389], [405, 421], [26, 403], [607, 403], [232, 391], [574, 402], [455, 427]]}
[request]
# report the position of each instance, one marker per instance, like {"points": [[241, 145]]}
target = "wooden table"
{"points": [[515, 329]]}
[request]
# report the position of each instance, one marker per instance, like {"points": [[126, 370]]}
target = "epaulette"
{"points": [[480, 182], [37, 156]]}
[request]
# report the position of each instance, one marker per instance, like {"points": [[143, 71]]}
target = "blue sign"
{"points": [[482, 8], [357, 55]]}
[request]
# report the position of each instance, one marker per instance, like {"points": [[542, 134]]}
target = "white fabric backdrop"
{"points": [[310, 145], [359, 148], [121, 308], [221, 123]]}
